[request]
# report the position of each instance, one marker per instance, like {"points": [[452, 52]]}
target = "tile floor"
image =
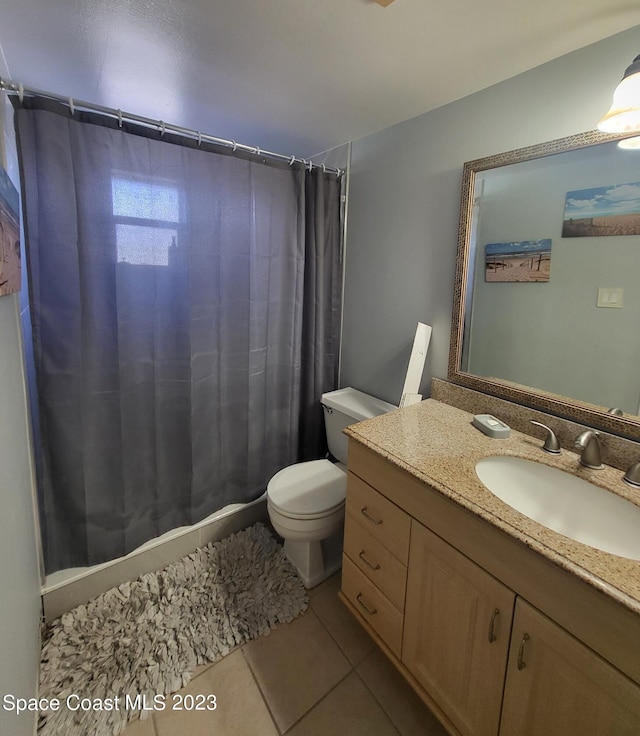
{"points": [[321, 674]]}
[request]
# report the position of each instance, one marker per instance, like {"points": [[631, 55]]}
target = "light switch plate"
{"points": [[611, 298]]}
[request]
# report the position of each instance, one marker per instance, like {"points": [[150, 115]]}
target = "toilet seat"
{"points": [[310, 490]]}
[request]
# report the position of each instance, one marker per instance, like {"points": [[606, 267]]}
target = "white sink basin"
{"points": [[567, 504]]}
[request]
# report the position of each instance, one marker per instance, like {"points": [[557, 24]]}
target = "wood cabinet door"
{"points": [[556, 686], [456, 635]]}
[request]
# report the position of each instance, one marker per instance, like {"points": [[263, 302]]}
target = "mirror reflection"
{"points": [[548, 274]]}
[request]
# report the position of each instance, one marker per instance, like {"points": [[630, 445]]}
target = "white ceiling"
{"points": [[293, 76]]}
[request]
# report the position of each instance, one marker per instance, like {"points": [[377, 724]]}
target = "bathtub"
{"points": [[67, 589]]}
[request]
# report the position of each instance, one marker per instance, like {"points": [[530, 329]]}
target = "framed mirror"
{"points": [[546, 306]]}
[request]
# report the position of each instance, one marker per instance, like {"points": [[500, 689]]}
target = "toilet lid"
{"points": [[308, 489]]}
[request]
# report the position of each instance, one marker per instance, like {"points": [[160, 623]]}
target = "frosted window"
{"points": [[145, 245], [147, 216]]}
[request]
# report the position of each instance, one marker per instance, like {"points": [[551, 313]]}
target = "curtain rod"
{"points": [[19, 89]]}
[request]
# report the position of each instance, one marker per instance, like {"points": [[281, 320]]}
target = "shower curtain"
{"points": [[185, 310]]}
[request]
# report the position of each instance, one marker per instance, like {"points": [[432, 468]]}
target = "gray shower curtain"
{"points": [[185, 311]]}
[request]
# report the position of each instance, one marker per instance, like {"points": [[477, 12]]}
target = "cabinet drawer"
{"points": [[383, 520], [373, 606], [386, 572]]}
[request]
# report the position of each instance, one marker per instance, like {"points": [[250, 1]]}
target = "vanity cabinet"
{"points": [[456, 632], [496, 639]]}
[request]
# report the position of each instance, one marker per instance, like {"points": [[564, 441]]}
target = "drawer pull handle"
{"points": [[370, 611], [367, 515], [521, 663], [492, 625], [366, 561]]}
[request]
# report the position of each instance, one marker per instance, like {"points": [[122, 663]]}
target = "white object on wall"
{"points": [[421, 340]]}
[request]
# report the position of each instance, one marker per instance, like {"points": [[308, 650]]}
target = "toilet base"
{"points": [[316, 561]]}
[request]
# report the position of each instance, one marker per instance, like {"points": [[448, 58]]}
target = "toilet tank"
{"points": [[344, 407]]}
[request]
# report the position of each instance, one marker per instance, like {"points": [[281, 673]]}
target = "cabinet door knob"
{"points": [[521, 663], [370, 611], [492, 625], [366, 562], [368, 516]]}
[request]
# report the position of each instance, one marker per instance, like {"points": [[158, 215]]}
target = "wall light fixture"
{"points": [[624, 115]]}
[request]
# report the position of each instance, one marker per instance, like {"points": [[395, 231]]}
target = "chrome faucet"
{"points": [[632, 476], [591, 455], [551, 443]]}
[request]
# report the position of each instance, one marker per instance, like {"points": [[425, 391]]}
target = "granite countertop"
{"points": [[437, 444]]}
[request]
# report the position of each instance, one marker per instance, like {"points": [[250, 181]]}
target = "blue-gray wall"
{"points": [[404, 201]]}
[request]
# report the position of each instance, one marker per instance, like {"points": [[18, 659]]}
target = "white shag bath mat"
{"points": [[144, 638]]}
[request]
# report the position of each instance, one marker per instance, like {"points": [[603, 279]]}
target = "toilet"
{"points": [[305, 501]]}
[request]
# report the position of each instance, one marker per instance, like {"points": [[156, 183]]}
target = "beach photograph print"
{"points": [[612, 210], [9, 236], [525, 260]]}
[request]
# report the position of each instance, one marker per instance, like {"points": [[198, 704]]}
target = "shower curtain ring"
{"points": [[162, 128], [257, 151], [293, 160], [199, 138], [71, 105], [324, 169], [21, 92], [120, 118], [235, 146], [310, 166]]}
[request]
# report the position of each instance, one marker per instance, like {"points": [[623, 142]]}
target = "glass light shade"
{"points": [[624, 115], [632, 144]]}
